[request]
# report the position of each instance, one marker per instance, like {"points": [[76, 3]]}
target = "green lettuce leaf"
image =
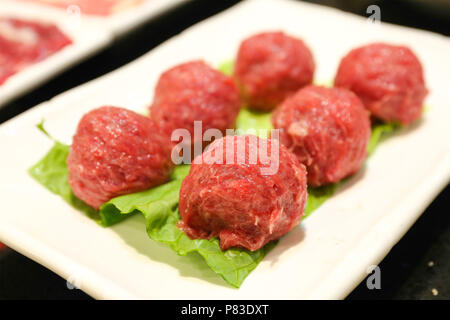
{"points": [[254, 122], [51, 172], [159, 205], [227, 67], [379, 132]]}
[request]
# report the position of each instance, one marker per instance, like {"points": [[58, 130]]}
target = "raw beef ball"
{"points": [[238, 201], [270, 67], [116, 151], [388, 79], [328, 129], [191, 92]]}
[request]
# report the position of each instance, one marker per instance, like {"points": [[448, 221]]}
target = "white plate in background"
{"points": [[326, 257], [89, 34], [120, 22], [86, 37], [123, 22]]}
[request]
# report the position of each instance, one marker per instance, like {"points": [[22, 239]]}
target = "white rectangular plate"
{"points": [[86, 38], [326, 257]]}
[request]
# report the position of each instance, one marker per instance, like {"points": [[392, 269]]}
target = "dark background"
{"points": [[418, 267]]}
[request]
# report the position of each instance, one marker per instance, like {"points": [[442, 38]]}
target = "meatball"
{"points": [[114, 152], [328, 129], [233, 198], [191, 92], [270, 67], [388, 79]]}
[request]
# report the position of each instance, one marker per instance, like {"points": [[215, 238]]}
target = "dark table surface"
{"points": [[418, 267]]}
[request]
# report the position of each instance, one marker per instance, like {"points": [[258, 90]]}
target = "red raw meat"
{"points": [[191, 92], [239, 203], [270, 67], [328, 129], [116, 151], [388, 79], [23, 43]]}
